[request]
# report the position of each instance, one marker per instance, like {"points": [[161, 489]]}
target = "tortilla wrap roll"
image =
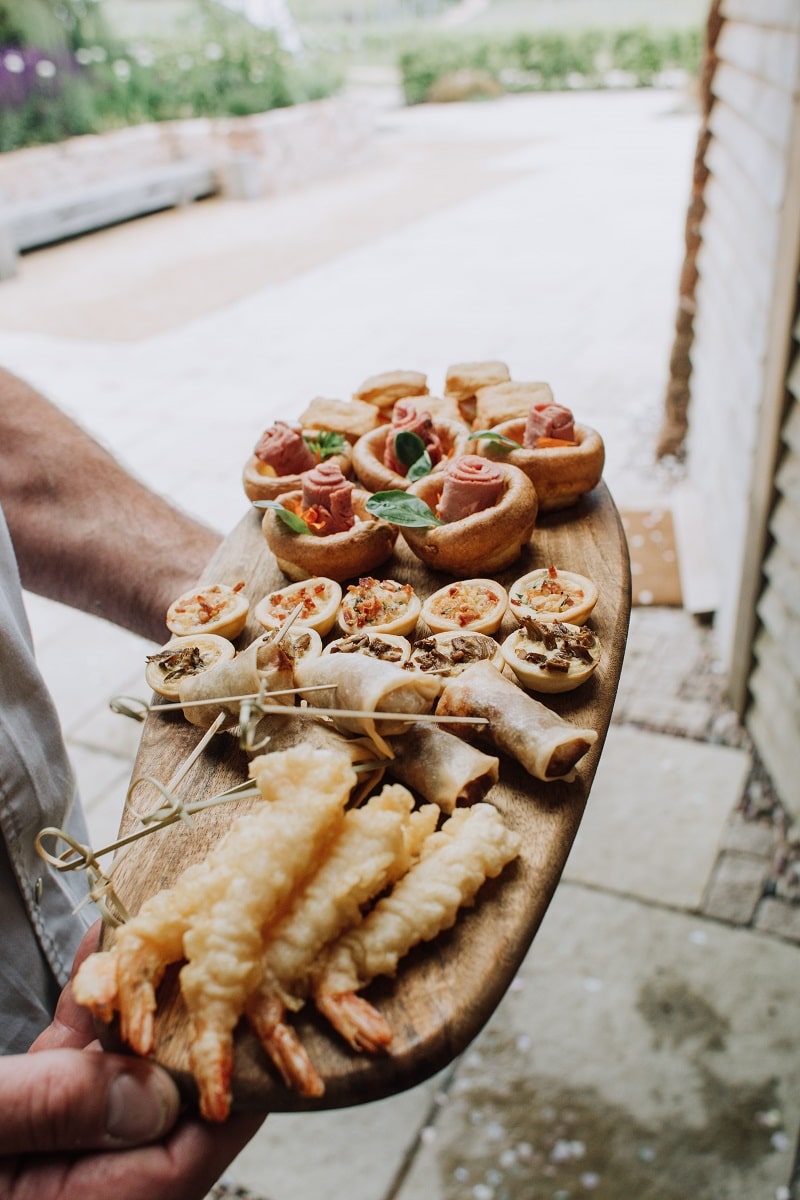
{"points": [[367, 685], [546, 745], [263, 662], [441, 767]]}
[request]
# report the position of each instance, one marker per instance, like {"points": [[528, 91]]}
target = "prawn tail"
{"points": [[361, 1025]]}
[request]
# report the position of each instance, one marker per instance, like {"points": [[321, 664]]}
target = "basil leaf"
{"points": [[295, 523], [408, 447], [422, 466], [326, 443], [398, 508], [499, 438]]}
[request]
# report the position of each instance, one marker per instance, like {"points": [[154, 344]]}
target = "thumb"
{"points": [[71, 1100]]}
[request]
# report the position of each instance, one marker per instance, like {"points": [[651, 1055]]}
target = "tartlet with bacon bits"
{"points": [[326, 529], [319, 601], [476, 604], [210, 608], [552, 595], [379, 606]]}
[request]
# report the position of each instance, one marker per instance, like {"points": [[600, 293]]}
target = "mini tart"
{"points": [[560, 474], [488, 540], [379, 606], [261, 483], [475, 604], [301, 642], [368, 454], [452, 652], [339, 556], [552, 595], [551, 656], [389, 647], [184, 656], [210, 608], [320, 598]]}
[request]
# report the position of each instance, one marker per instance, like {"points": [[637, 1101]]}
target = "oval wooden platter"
{"points": [[446, 990]]}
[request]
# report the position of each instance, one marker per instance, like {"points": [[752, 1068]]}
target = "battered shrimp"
{"points": [[285, 844], [472, 846], [126, 976], [374, 848]]}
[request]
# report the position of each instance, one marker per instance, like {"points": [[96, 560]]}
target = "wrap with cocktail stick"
{"points": [[546, 745], [264, 663], [367, 685]]}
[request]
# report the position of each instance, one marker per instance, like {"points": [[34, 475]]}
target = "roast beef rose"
{"points": [[328, 499], [548, 421], [407, 419], [470, 485], [282, 447]]}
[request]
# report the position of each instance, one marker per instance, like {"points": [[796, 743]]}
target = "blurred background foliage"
{"points": [[70, 67]]}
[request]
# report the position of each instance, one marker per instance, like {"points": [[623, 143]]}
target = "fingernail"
{"points": [[141, 1106]]}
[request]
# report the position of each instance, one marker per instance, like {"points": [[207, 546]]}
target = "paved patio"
{"points": [[648, 1047]]}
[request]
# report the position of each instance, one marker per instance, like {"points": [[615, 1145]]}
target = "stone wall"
{"points": [[257, 155]]}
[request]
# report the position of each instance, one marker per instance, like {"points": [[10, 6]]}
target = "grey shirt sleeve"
{"points": [[41, 928]]}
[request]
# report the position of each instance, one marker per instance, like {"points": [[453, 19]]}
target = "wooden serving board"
{"points": [[445, 991]]}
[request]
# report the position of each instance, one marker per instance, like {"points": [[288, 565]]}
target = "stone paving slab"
{"points": [[656, 816], [632, 1059]]}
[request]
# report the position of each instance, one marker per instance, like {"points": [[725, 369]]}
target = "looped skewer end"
{"points": [[130, 706], [173, 808], [78, 857]]}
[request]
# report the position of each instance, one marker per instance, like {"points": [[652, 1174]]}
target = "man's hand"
{"points": [[78, 1124]]}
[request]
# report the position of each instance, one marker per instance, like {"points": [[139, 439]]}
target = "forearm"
{"points": [[86, 532]]}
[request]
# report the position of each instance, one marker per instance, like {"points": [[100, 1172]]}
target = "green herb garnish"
{"points": [[325, 444], [411, 451], [499, 439], [295, 523], [399, 508]]}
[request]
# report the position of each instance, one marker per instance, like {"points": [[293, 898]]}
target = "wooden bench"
{"points": [[40, 222]]}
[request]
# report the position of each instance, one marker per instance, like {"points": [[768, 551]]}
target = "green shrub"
{"points": [[88, 86], [549, 61]]}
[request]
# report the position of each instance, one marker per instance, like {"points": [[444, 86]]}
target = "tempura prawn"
{"points": [[473, 845], [307, 792], [126, 977], [375, 847]]}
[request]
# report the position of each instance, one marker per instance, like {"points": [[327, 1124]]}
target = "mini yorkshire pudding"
{"points": [[482, 542], [560, 474], [369, 450], [260, 481], [346, 555]]}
